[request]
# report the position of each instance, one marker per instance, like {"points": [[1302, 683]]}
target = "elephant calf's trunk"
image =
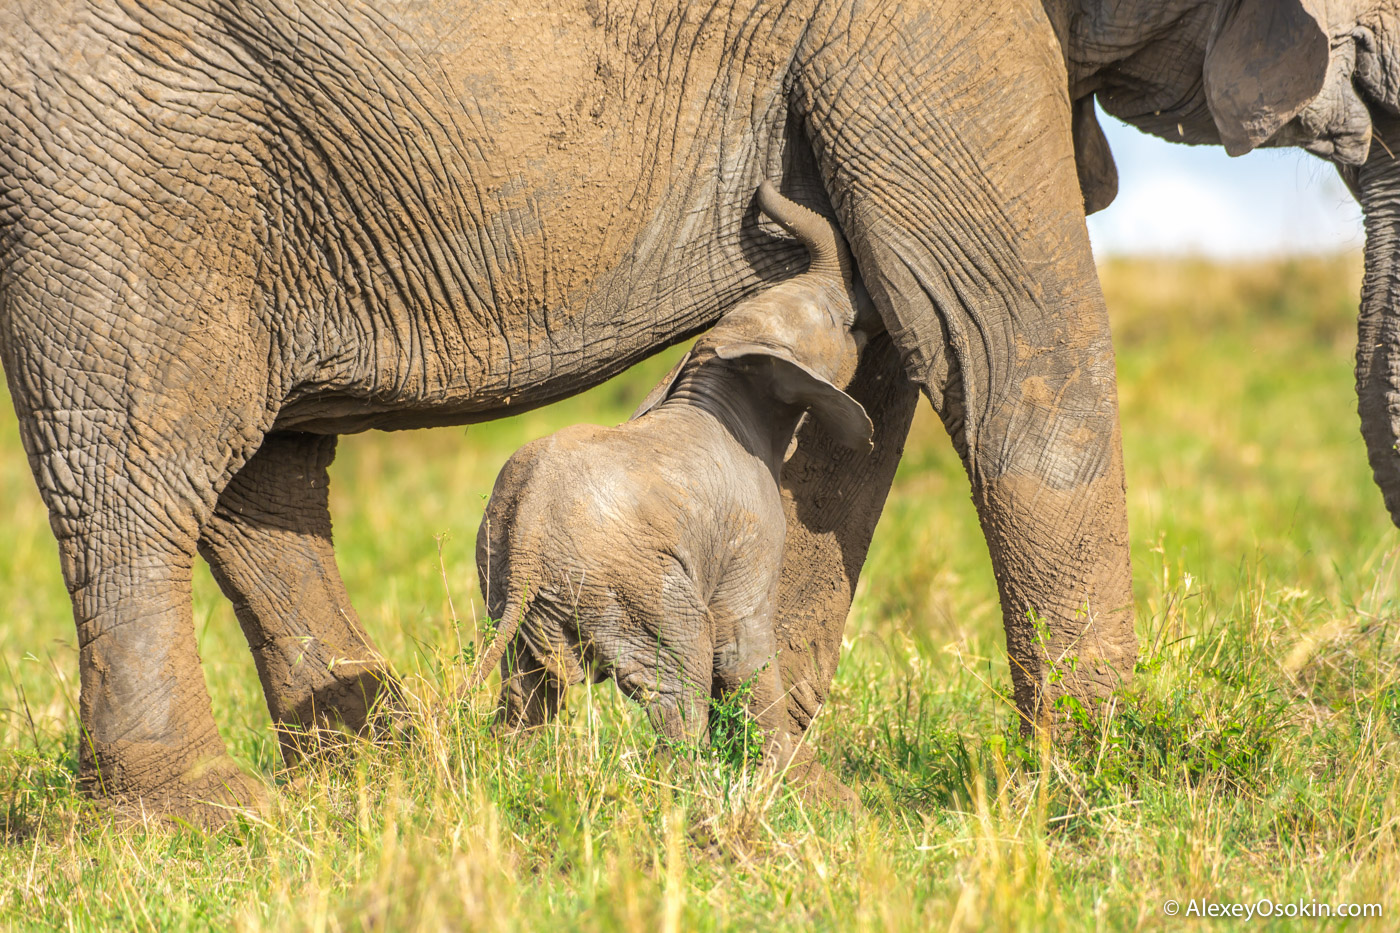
{"points": [[830, 257]]}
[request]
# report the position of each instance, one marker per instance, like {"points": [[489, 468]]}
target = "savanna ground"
{"points": [[1253, 757]]}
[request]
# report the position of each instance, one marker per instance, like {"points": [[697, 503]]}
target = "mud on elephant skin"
{"points": [[651, 552]]}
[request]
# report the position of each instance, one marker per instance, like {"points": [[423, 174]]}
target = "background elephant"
{"points": [[232, 231], [651, 552]]}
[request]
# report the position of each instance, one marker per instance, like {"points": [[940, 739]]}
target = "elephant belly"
{"points": [[421, 213], [511, 204]]}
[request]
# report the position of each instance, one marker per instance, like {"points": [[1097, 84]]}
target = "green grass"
{"points": [[1254, 756]]}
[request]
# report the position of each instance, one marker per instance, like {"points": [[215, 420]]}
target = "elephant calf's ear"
{"points": [[795, 384], [662, 389], [1265, 62]]}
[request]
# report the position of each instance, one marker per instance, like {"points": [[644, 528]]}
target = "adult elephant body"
{"points": [[231, 231]]}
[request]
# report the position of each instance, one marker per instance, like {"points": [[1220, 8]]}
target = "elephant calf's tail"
{"points": [[517, 604]]}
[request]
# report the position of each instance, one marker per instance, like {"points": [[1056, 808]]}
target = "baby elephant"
{"points": [[650, 551]]}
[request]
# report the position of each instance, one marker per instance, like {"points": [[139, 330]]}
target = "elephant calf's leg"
{"points": [[530, 695], [269, 546]]}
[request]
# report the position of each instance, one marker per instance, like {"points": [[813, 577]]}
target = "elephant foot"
{"points": [[350, 703], [1070, 692], [144, 783]]}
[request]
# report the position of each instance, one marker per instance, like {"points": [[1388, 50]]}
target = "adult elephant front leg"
{"points": [[946, 147], [269, 546]]}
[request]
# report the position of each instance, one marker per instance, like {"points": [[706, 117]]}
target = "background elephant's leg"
{"points": [[833, 497], [268, 544], [530, 695], [753, 663], [749, 661]]}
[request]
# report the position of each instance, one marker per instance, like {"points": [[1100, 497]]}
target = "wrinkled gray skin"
{"points": [[651, 552], [231, 231]]}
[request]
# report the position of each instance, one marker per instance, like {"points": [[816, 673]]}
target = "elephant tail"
{"points": [[517, 604], [830, 256]]}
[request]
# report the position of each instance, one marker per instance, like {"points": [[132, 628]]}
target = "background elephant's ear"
{"points": [[1265, 62], [795, 384], [662, 389]]}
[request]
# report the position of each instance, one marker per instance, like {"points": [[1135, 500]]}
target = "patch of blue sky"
{"points": [[1195, 200]]}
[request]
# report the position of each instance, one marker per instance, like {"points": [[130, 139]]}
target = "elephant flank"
{"points": [[517, 604]]}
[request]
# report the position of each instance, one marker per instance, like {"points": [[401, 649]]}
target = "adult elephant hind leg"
{"points": [[137, 399], [972, 242], [269, 546], [148, 740]]}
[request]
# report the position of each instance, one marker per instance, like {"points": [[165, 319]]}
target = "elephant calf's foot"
{"points": [[352, 702], [149, 782]]}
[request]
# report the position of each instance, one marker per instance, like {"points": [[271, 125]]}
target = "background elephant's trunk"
{"points": [[1378, 345]]}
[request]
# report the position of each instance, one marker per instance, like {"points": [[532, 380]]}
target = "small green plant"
{"points": [[1187, 734], [487, 628], [735, 739]]}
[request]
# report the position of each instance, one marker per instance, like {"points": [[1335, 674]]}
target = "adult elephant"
{"points": [[231, 231]]}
